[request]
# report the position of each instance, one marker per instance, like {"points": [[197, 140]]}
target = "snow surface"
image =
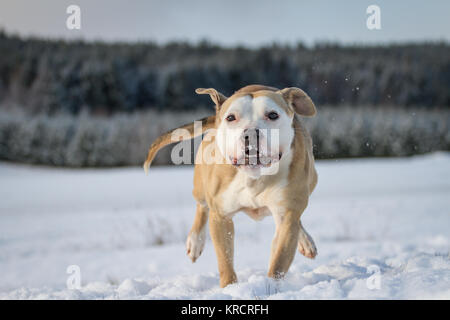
{"points": [[382, 228]]}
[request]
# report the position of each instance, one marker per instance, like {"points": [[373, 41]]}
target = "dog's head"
{"points": [[254, 125]]}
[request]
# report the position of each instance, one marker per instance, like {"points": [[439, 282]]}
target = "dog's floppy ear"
{"points": [[299, 101], [215, 95]]}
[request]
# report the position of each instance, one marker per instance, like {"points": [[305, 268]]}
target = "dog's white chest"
{"points": [[253, 197], [259, 197], [239, 194]]}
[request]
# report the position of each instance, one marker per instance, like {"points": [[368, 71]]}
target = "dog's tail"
{"points": [[165, 139]]}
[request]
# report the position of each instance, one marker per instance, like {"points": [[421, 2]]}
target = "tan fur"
{"points": [[221, 191], [165, 139]]}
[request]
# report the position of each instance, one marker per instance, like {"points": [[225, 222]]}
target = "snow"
{"points": [[381, 227]]}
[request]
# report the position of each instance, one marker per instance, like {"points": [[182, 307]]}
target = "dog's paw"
{"points": [[194, 245], [306, 245]]}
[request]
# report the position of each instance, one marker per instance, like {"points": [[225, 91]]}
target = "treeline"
{"points": [[123, 139], [50, 76]]}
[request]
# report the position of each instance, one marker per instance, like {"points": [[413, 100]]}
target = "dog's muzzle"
{"points": [[253, 158]]}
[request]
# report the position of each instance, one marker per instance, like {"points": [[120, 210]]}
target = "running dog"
{"points": [[251, 175]]}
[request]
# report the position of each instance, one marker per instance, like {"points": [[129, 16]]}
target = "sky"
{"points": [[231, 22]]}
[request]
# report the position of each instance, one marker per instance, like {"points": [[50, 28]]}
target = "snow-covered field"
{"points": [[382, 228]]}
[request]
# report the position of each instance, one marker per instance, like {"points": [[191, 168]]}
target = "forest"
{"points": [[77, 103]]}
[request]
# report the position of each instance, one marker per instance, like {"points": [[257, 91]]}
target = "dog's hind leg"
{"points": [[306, 245], [196, 239]]}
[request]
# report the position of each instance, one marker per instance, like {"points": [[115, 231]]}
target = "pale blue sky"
{"points": [[231, 22]]}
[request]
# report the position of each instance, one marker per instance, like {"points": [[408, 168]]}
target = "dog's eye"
{"points": [[231, 117], [272, 115]]}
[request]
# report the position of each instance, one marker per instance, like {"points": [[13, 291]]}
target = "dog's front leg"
{"points": [[197, 236], [284, 244], [222, 235]]}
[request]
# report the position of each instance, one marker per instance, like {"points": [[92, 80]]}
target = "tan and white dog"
{"points": [[238, 183]]}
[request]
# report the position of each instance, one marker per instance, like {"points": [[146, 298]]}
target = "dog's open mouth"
{"points": [[255, 161]]}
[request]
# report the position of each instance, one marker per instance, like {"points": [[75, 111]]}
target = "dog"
{"points": [[238, 183]]}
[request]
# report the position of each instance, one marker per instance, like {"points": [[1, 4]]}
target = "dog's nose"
{"points": [[250, 135], [250, 138]]}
